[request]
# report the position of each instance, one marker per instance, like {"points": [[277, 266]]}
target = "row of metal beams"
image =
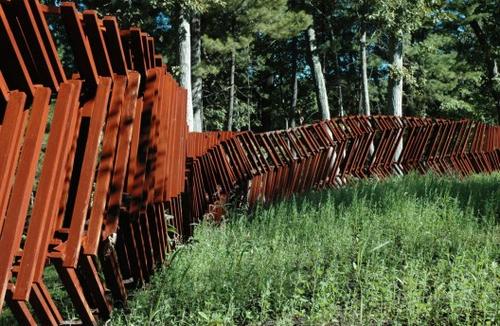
{"points": [[92, 159], [274, 165]]}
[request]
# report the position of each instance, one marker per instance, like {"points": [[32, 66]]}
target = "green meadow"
{"points": [[407, 250]]}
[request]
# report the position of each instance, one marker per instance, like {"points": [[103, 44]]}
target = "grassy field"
{"points": [[411, 250]]}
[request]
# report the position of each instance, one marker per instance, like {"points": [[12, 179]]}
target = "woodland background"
{"points": [[273, 64]]}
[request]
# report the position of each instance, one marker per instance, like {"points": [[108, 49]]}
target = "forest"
{"points": [[263, 65]]}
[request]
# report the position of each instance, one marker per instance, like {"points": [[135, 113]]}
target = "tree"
{"points": [[295, 84], [251, 62], [492, 77], [322, 11], [189, 11], [440, 82], [185, 64], [395, 89], [482, 18], [197, 83], [363, 9], [230, 46], [399, 18], [319, 78], [364, 69]]}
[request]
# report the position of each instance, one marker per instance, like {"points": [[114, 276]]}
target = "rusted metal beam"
{"points": [[12, 64], [56, 154], [15, 217], [80, 45], [86, 173]]}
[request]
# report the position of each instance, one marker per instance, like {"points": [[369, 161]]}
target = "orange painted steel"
{"points": [[269, 166], [122, 180], [113, 167]]}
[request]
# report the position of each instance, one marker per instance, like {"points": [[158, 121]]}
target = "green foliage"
{"points": [[434, 87], [412, 250], [274, 18], [248, 30], [400, 17], [448, 68]]}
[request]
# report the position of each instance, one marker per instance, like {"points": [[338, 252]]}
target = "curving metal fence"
{"points": [[99, 176]]}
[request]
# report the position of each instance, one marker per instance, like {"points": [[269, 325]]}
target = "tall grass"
{"points": [[407, 250], [410, 250]]}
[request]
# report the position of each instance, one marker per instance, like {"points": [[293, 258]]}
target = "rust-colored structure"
{"points": [[275, 165], [96, 166]]}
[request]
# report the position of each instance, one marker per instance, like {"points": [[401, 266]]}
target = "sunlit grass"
{"points": [[406, 250]]}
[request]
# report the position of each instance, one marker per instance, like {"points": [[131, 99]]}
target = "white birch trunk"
{"points": [[185, 65], [366, 90], [396, 84], [364, 69], [197, 80], [319, 78], [231, 94]]}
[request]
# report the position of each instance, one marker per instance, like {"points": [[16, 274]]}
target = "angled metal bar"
{"points": [[47, 39], [80, 45], [15, 218], [87, 173], [97, 43], [105, 169], [11, 135], [31, 45], [114, 45], [55, 154], [12, 63]]}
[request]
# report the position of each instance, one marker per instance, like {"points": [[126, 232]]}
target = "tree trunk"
{"points": [[232, 91], [366, 90], [341, 102], [495, 88], [198, 81], [396, 84], [396, 77], [185, 64], [338, 80], [295, 85], [364, 69], [249, 101], [319, 78]]}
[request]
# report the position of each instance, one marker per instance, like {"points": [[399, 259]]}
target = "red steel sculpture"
{"points": [[120, 171]]}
